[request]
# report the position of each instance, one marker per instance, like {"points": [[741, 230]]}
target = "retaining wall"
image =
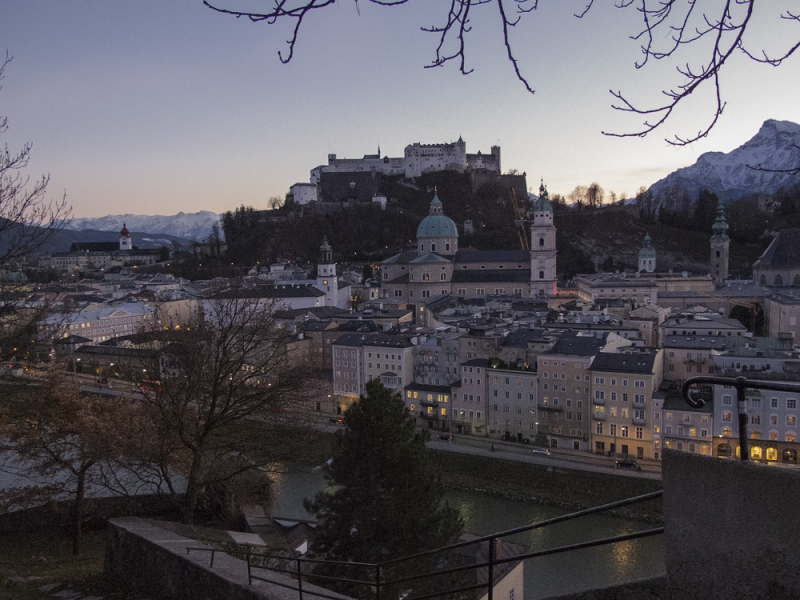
{"points": [[730, 528], [157, 560]]}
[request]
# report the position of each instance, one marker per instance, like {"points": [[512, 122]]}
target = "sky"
{"points": [[156, 107]]}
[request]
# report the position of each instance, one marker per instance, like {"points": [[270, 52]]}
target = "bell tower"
{"points": [[543, 247], [720, 246], [125, 239], [326, 274]]}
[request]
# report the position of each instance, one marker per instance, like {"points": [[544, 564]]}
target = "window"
{"points": [[773, 403], [639, 383], [726, 432], [791, 421], [773, 419], [613, 381], [599, 395], [668, 416], [726, 417], [613, 395], [791, 403], [727, 400], [599, 380], [639, 433], [625, 383]]}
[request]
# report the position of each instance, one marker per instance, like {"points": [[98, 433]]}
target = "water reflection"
{"points": [[544, 576]]}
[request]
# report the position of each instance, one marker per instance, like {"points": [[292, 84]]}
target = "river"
{"points": [[545, 576]]}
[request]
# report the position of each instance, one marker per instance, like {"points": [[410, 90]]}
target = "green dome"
{"points": [[647, 250], [436, 224]]}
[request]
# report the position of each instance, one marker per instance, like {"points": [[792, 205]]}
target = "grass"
{"points": [[46, 555]]}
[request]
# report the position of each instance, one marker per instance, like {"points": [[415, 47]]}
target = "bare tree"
{"points": [[578, 196], [594, 195], [230, 385], [27, 221], [715, 30], [54, 440]]}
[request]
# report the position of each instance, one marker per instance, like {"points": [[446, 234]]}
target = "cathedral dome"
{"points": [[436, 224]]}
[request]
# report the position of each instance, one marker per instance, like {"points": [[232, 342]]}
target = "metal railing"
{"points": [[696, 399], [382, 582]]}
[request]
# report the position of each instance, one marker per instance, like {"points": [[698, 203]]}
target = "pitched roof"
{"points": [[782, 252], [492, 276], [639, 362], [576, 343]]}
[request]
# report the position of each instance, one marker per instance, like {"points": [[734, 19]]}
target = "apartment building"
{"points": [[470, 398], [564, 398], [683, 427], [622, 390], [513, 396], [431, 404]]}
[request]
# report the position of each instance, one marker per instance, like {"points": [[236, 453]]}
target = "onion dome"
{"points": [[124, 231], [542, 204], [720, 226]]}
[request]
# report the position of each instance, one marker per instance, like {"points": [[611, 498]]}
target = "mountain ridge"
{"points": [[738, 173], [192, 226]]}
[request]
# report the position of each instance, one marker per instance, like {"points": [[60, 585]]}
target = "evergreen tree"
{"points": [[384, 499]]}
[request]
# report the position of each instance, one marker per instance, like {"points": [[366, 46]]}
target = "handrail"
{"points": [[380, 581], [742, 384]]}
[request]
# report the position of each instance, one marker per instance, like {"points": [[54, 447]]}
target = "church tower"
{"points": [[543, 248], [125, 239], [326, 274], [647, 257], [720, 246]]}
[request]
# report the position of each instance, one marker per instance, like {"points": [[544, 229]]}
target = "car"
{"points": [[628, 463], [545, 451], [445, 436]]}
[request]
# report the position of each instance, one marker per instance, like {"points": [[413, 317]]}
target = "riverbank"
{"points": [[570, 490]]}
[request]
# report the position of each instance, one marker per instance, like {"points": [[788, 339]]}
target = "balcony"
{"points": [[599, 401], [638, 403], [599, 416], [639, 421], [699, 360]]}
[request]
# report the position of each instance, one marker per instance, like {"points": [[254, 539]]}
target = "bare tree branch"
{"points": [[714, 30]]}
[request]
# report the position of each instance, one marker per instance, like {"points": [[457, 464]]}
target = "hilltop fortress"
{"points": [[416, 160]]}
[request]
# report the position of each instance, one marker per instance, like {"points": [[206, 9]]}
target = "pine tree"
{"points": [[385, 499]]}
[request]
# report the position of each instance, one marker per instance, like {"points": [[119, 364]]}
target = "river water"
{"points": [[545, 576]]}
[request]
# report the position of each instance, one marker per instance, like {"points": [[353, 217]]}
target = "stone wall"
{"points": [[731, 528], [157, 560]]}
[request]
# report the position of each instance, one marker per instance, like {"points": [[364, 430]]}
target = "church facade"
{"points": [[438, 267]]}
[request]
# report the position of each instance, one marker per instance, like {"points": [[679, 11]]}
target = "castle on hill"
{"points": [[417, 159]]}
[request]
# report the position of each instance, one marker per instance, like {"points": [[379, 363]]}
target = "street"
{"points": [[562, 459]]}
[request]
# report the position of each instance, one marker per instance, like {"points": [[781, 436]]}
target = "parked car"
{"points": [[445, 436], [545, 451], [628, 463]]}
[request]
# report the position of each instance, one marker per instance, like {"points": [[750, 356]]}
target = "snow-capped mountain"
{"points": [[776, 146], [194, 226]]}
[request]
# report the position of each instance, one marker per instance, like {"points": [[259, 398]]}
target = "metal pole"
{"points": [[741, 400], [249, 576], [377, 582], [299, 577], [491, 569]]}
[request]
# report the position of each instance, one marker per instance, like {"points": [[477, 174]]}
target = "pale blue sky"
{"points": [[155, 107]]}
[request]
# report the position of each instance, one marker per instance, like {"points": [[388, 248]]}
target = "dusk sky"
{"points": [[156, 107]]}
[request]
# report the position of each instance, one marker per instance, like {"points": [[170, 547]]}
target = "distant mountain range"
{"points": [[730, 176], [192, 226]]}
